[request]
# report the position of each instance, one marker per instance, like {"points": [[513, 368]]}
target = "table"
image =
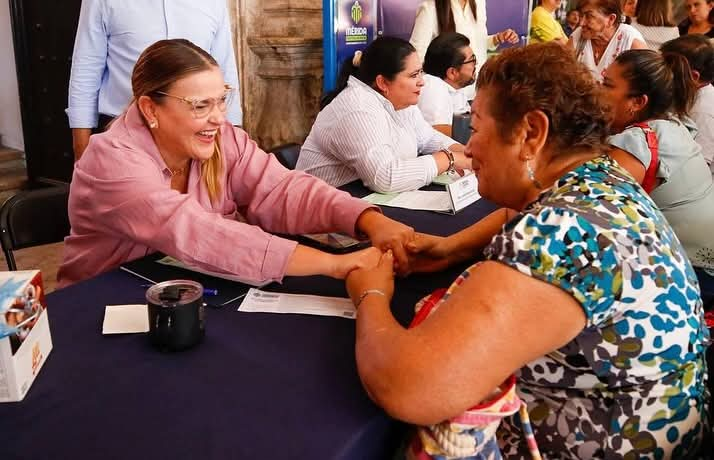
{"points": [[261, 386]]}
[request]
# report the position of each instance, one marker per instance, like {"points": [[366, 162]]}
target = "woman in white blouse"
{"points": [[371, 128], [467, 17], [602, 36], [654, 22]]}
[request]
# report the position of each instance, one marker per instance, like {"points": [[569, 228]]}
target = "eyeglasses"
{"points": [[203, 107], [470, 60]]}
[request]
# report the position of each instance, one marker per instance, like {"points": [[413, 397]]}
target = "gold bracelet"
{"points": [[366, 293]]}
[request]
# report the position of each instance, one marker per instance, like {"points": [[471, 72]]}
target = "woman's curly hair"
{"points": [[547, 77]]}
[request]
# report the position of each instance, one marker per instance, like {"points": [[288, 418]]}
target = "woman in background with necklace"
{"points": [[602, 36]]}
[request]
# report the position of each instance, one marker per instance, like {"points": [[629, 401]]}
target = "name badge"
{"points": [[463, 192]]}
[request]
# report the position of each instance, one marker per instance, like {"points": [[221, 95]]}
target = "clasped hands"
{"points": [[380, 263]]}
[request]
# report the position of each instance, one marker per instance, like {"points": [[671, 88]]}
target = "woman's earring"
{"points": [[153, 124], [531, 175]]}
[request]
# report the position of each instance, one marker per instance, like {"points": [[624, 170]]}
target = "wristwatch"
{"points": [[450, 156]]}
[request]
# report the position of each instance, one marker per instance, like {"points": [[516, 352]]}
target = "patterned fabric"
{"points": [[472, 434], [632, 384]]}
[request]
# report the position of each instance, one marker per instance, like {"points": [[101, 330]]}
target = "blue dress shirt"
{"points": [[113, 33]]}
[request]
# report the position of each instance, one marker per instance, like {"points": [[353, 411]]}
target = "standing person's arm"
{"points": [[223, 53], [425, 29], [89, 60]]}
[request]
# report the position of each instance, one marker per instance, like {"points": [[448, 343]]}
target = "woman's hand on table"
{"points": [[428, 253], [386, 234], [378, 277]]}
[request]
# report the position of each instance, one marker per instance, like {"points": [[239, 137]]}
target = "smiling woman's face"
{"points": [[404, 90], [495, 161], [179, 131]]}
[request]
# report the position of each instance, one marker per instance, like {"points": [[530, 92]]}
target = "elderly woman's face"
{"points": [[698, 10], [495, 161], [404, 90], [616, 94], [186, 131], [595, 23]]}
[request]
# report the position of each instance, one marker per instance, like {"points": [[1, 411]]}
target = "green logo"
{"points": [[356, 12]]}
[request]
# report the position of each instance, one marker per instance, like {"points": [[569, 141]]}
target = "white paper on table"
{"points": [[125, 319], [423, 200], [168, 260], [277, 302]]}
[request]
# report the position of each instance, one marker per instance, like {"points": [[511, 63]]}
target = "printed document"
{"points": [[277, 302], [418, 200]]}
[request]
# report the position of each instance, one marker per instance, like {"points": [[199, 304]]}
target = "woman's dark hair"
{"points": [[606, 7], [654, 13], [665, 78], [385, 56], [546, 77], [698, 50], [445, 52], [445, 18]]}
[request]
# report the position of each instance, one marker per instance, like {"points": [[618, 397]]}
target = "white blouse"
{"points": [[622, 41], [359, 135], [655, 36], [426, 28]]}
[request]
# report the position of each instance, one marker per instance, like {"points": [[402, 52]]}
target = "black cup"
{"points": [[176, 315]]}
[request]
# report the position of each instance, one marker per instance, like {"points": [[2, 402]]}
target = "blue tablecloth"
{"points": [[261, 386]]}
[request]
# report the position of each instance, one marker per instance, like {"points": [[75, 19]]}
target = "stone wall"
{"points": [[279, 50]]}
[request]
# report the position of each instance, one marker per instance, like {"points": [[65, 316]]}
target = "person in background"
{"points": [[650, 95], [467, 17], [572, 21], [371, 128], [172, 175], [544, 27], [585, 292], [629, 8], [111, 35], [699, 52], [449, 66], [654, 21], [700, 18], [602, 36]]}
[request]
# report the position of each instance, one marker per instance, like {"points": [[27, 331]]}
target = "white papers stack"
{"points": [[418, 200], [278, 302]]}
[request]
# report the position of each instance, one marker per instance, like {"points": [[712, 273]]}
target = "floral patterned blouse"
{"points": [[632, 383]]}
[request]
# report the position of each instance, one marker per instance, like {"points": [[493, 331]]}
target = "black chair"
{"points": [[461, 128], [32, 218], [287, 154]]}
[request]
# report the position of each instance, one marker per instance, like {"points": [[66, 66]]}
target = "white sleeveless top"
{"points": [[621, 41]]}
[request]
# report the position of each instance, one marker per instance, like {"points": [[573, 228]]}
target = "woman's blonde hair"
{"points": [[157, 69]]}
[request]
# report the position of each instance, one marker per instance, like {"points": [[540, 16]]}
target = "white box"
{"points": [[22, 353]]}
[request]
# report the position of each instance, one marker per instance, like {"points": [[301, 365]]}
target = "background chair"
{"points": [[32, 218], [287, 154], [461, 128]]}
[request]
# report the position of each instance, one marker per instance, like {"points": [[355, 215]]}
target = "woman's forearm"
{"points": [[470, 241], [306, 261]]}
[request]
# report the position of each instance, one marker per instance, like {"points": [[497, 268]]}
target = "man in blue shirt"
{"points": [[113, 33]]}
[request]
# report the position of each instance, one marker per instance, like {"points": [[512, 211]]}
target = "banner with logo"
{"points": [[348, 26], [396, 17]]}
